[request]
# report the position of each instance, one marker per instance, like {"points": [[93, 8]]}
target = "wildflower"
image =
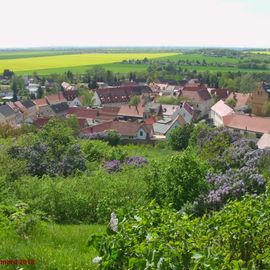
{"points": [[114, 222], [97, 260]]}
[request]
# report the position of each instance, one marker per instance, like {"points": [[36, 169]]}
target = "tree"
{"points": [[180, 180], [14, 88], [39, 92], [179, 137], [8, 73], [70, 76], [113, 137], [247, 84], [134, 101], [87, 97], [231, 102], [266, 108]]}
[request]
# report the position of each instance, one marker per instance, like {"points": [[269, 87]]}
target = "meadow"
{"points": [[52, 246]]}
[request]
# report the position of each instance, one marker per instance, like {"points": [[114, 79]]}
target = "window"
{"points": [[141, 133]]}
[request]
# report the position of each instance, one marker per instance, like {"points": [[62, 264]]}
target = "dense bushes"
{"points": [[83, 198], [180, 180], [160, 238], [179, 137]]}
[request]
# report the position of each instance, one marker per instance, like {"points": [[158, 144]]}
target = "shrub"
{"points": [[180, 181], [136, 161], [112, 166], [113, 137], [179, 137], [160, 238]]}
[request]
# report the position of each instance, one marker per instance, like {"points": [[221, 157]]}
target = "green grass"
{"points": [[53, 246], [31, 54], [72, 60]]}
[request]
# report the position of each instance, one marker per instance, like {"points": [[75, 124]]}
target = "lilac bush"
{"points": [[96, 136], [136, 161], [112, 166], [233, 185]]}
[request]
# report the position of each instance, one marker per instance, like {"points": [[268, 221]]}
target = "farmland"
{"points": [[31, 64], [77, 61]]}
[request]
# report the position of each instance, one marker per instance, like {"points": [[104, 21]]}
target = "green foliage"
{"points": [[180, 181], [231, 102], [160, 238], [52, 246], [18, 218], [113, 137], [134, 101], [87, 97], [53, 151], [266, 108], [57, 135], [179, 137], [169, 100]]}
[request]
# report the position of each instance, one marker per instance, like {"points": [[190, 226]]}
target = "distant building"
{"points": [[127, 130], [219, 93], [7, 116], [33, 88], [44, 109], [218, 111], [163, 127], [242, 100], [199, 97], [118, 96], [247, 124], [56, 98], [264, 141], [259, 97]]}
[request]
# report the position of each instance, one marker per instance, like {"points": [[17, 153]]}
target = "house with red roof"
{"points": [[219, 93], [247, 124], [44, 109], [218, 111], [242, 100], [118, 96], [200, 99], [187, 112], [127, 130], [128, 112], [56, 98]]}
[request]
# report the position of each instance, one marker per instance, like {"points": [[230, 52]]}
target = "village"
{"points": [[134, 110]]}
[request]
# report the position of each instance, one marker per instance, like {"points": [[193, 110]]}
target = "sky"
{"points": [[202, 23]]}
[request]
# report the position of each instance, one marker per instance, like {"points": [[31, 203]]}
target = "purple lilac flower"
{"points": [[112, 166], [136, 161]]}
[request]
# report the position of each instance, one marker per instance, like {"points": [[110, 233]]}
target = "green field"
{"points": [[31, 64], [52, 246]]}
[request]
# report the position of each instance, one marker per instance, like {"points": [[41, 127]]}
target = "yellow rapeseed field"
{"points": [[72, 60]]}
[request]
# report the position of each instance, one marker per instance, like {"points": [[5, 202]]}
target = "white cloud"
{"points": [[27, 23]]}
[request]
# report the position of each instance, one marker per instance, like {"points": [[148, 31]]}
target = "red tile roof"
{"points": [[124, 128], [20, 106], [41, 102], [150, 121], [248, 123], [188, 108], [121, 94], [56, 98], [196, 93], [221, 93], [131, 111], [83, 112], [241, 99], [41, 121]]}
